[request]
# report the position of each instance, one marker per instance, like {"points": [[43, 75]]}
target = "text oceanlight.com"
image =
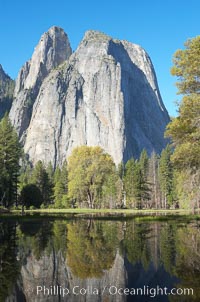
{"points": [[113, 291]]}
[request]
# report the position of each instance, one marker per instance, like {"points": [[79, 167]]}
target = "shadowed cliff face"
{"points": [[104, 94], [144, 113], [6, 92]]}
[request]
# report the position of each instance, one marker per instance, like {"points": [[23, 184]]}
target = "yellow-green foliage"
{"points": [[88, 170], [184, 130], [186, 67], [89, 253], [185, 133], [187, 188]]}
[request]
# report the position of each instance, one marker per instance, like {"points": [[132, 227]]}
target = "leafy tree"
{"points": [[186, 67], [185, 133], [184, 130], [88, 170], [10, 152], [31, 196]]}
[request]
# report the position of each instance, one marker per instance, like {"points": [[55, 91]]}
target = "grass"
{"points": [[106, 214], [110, 212], [87, 210]]}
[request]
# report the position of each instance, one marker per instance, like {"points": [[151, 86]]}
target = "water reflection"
{"points": [[9, 267], [91, 248], [88, 257]]}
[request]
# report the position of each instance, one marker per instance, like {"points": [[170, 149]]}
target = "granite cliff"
{"points": [[52, 49], [6, 92], [105, 94], [53, 272]]}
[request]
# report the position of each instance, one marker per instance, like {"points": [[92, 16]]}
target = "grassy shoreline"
{"points": [[105, 211]]}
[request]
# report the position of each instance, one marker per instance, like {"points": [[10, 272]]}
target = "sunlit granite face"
{"points": [[104, 94], [52, 50]]}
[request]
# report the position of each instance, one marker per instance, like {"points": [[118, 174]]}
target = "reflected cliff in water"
{"points": [[89, 260]]}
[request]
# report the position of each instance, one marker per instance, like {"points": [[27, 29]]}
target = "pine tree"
{"points": [[154, 181], [144, 161], [50, 173], [166, 177], [25, 171], [120, 186], [41, 179], [10, 152], [111, 195], [57, 189], [129, 182], [141, 190], [144, 166], [61, 187]]}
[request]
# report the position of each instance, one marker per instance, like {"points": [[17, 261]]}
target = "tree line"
{"points": [[89, 178]]}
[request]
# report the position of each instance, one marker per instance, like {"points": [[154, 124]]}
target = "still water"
{"points": [[63, 259]]}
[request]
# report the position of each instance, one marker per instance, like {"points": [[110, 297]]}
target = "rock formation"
{"points": [[53, 272], [105, 94], [6, 92], [52, 49]]}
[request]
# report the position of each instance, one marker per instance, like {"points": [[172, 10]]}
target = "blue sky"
{"points": [[160, 27]]}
